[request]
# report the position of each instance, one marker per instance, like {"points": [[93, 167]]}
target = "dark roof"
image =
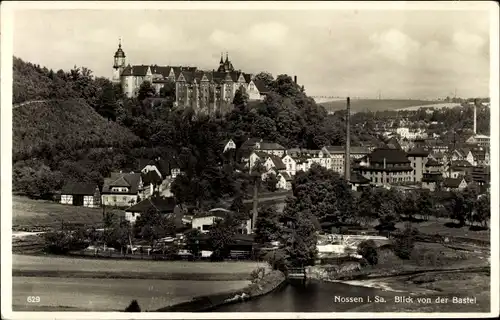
{"points": [[358, 178], [250, 143], [353, 150], [261, 86], [393, 144], [390, 155], [117, 179], [278, 163], [161, 204], [461, 163], [286, 176], [452, 182], [215, 212], [418, 152], [78, 188], [431, 162], [151, 177], [432, 177], [271, 146]]}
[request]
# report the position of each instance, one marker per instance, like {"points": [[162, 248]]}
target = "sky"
{"points": [[358, 53]]}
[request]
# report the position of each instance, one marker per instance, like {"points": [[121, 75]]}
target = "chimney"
{"points": [[295, 79], [475, 117], [347, 159]]}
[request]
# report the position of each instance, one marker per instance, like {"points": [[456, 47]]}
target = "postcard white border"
{"points": [[7, 17]]}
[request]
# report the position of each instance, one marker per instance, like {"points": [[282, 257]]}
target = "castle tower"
{"points": [[119, 63]]}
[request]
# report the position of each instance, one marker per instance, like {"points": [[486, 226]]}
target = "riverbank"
{"points": [[432, 271], [268, 283]]}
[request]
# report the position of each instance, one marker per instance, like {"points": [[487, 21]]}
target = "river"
{"points": [[312, 296]]}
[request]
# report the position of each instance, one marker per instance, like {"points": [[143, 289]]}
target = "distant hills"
{"points": [[360, 105]]}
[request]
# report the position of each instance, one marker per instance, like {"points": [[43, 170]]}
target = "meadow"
{"points": [[29, 213]]}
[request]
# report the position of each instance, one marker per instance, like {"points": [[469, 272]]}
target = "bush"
{"points": [[257, 274], [63, 241], [133, 307], [404, 243], [368, 249]]}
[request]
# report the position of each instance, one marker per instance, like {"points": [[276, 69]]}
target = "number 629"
{"points": [[33, 299]]}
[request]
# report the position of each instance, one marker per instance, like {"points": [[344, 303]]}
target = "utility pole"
{"points": [[347, 160]]}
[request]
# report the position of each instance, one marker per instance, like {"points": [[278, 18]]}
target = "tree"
{"points": [[266, 78], [168, 90], [271, 182], [146, 90], [220, 237], [268, 226], [240, 97], [301, 240], [482, 214], [193, 238], [133, 307], [368, 249], [152, 225]]}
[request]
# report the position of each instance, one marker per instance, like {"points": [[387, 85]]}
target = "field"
{"points": [[438, 226], [360, 105], [25, 263], [75, 294], [28, 213], [64, 289]]}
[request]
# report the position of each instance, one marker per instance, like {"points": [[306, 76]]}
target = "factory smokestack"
{"points": [[295, 79], [347, 159], [475, 116]]}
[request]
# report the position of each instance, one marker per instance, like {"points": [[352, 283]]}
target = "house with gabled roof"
{"points": [[274, 162], [257, 157], [121, 189], [270, 148], [204, 221], [284, 181], [165, 206], [229, 145], [450, 184], [81, 194], [290, 164], [358, 182]]}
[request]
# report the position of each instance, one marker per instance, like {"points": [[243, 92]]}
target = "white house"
{"points": [[290, 164], [229, 145], [121, 189], [205, 222], [284, 181], [257, 156]]}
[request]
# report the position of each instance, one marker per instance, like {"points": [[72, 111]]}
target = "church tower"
{"points": [[119, 63]]}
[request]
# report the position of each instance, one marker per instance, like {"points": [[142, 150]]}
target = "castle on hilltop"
{"points": [[200, 89]]}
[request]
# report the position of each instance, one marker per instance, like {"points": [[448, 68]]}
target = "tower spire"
{"points": [[119, 42], [227, 56], [221, 57]]}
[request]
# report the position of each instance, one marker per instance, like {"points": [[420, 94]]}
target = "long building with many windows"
{"points": [[203, 90]]}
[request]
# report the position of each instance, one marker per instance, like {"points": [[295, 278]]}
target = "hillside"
{"points": [[360, 105], [62, 125]]}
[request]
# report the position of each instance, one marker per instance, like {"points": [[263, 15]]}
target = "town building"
{"points": [[164, 206], [121, 189], [358, 182], [385, 166], [337, 156], [284, 181], [290, 164], [229, 145], [479, 139], [206, 91], [418, 159], [81, 194], [452, 184], [205, 221]]}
